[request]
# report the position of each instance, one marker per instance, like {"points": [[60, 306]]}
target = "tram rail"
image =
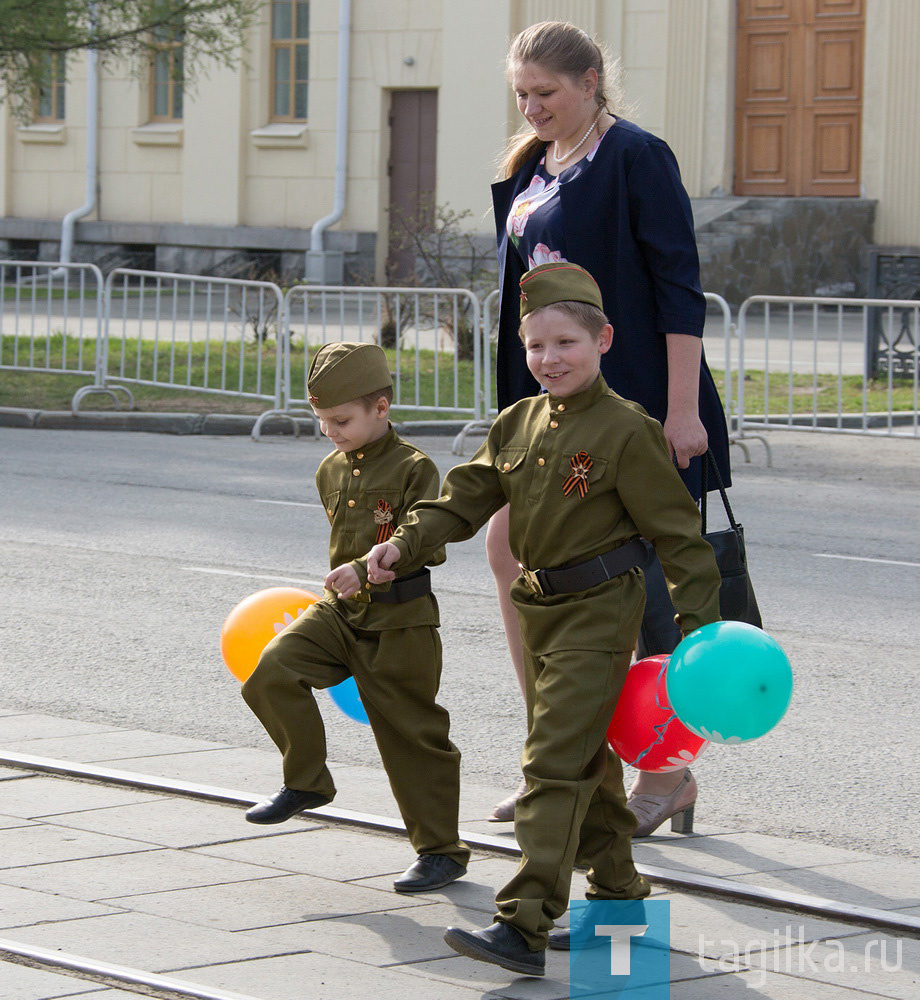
{"points": [[169, 988]]}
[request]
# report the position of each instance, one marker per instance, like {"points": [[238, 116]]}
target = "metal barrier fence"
{"points": [[803, 363], [434, 335], [221, 336], [814, 354], [52, 317]]}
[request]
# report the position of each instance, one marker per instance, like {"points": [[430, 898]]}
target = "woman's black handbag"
{"points": [[736, 596]]}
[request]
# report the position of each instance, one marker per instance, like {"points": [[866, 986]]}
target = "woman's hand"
{"points": [[686, 437], [343, 580], [683, 429], [379, 560]]}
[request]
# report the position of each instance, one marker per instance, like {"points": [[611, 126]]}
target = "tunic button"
{"points": [[541, 461], [361, 453], [367, 586], [351, 503], [553, 424], [560, 408], [329, 512], [506, 466], [356, 472]]}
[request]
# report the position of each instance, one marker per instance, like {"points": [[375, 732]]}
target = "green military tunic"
{"points": [[392, 650], [583, 475]]}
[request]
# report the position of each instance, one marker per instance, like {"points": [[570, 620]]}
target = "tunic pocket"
{"points": [[384, 507], [331, 503], [579, 471], [510, 459]]}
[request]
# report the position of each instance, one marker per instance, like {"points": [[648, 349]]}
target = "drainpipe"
{"points": [[92, 161], [327, 267]]}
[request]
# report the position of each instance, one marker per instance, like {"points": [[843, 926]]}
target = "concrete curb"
{"points": [[161, 423], [849, 421], [12, 417], [239, 424]]}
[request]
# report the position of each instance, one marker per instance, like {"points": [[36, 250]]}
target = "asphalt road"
{"points": [[121, 554]]}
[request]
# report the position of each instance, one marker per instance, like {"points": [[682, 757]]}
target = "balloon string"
{"points": [[662, 727], [661, 730], [658, 683]]}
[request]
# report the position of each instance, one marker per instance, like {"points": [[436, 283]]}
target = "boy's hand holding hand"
{"points": [[379, 560], [343, 580]]}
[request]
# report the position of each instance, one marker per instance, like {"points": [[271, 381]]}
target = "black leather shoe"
{"points": [[430, 871], [284, 804], [561, 940], [501, 944]]}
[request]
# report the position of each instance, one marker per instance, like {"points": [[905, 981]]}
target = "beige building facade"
{"points": [[251, 162]]}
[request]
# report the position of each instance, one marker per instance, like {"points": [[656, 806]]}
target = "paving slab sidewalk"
{"points": [[188, 890]]}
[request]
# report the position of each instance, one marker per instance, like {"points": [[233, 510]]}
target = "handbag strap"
{"points": [[709, 461]]}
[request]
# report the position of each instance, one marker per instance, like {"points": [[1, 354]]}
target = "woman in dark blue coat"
{"points": [[583, 184]]}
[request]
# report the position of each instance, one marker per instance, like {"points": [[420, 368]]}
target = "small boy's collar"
{"points": [[581, 400], [374, 448]]}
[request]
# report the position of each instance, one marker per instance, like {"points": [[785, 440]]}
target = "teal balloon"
{"points": [[346, 698], [729, 682]]}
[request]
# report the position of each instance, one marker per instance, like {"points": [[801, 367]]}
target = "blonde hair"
{"points": [[588, 317], [564, 50]]}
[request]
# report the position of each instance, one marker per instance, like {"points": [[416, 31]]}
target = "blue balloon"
{"points": [[346, 697], [729, 682]]}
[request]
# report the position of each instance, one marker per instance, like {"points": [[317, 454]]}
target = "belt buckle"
{"points": [[532, 580]]}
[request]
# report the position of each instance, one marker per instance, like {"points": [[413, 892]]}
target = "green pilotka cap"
{"points": [[344, 371], [559, 281]]}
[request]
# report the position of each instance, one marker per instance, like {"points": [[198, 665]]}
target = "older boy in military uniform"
{"points": [[586, 473], [386, 637]]}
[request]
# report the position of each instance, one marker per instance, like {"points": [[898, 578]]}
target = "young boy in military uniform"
{"points": [[386, 637], [586, 473]]}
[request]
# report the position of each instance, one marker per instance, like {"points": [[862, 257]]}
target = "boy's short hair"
{"points": [[344, 371], [370, 398], [588, 317]]}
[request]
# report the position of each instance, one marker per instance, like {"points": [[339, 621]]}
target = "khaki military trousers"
{"points": [[398, 672], [574, 810]]}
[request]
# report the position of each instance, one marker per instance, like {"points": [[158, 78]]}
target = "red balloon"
{"points": [[644, 730]]}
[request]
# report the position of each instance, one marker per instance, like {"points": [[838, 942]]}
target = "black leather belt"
{"points": [[581, 576], [404, 588]]}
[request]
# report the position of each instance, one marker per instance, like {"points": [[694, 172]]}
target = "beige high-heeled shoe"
{"points": [[504, 811], [653, 810]]}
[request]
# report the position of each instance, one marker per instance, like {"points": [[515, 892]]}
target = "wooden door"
{"points": [[412, 174], [799, 97]]}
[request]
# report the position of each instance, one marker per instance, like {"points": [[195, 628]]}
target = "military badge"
{"points": [[383, 516], [578, 480]]}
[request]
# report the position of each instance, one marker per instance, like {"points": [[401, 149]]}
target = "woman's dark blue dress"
{"points": [[621, 213]]}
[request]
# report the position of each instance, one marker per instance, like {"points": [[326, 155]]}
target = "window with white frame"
{"points": [[49, 104], [290, 60], [166, 76]]}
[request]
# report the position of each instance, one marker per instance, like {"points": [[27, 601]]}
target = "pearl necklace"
{"points": [[580, 142]]}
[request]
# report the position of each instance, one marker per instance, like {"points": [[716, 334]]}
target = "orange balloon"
{"points": [[255, 621]]}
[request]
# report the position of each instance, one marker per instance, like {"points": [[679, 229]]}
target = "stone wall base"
{"points": [[232, 252], [753, 246], [788, 246]]}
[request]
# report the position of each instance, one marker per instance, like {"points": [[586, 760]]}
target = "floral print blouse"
{"points": [[534, 224]]}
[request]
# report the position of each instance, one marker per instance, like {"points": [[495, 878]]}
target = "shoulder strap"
{"points": [[709, 462]]}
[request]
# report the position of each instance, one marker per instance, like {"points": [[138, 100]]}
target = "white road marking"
{"points": [[292, 503], [254, 576], [886, 562]]}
